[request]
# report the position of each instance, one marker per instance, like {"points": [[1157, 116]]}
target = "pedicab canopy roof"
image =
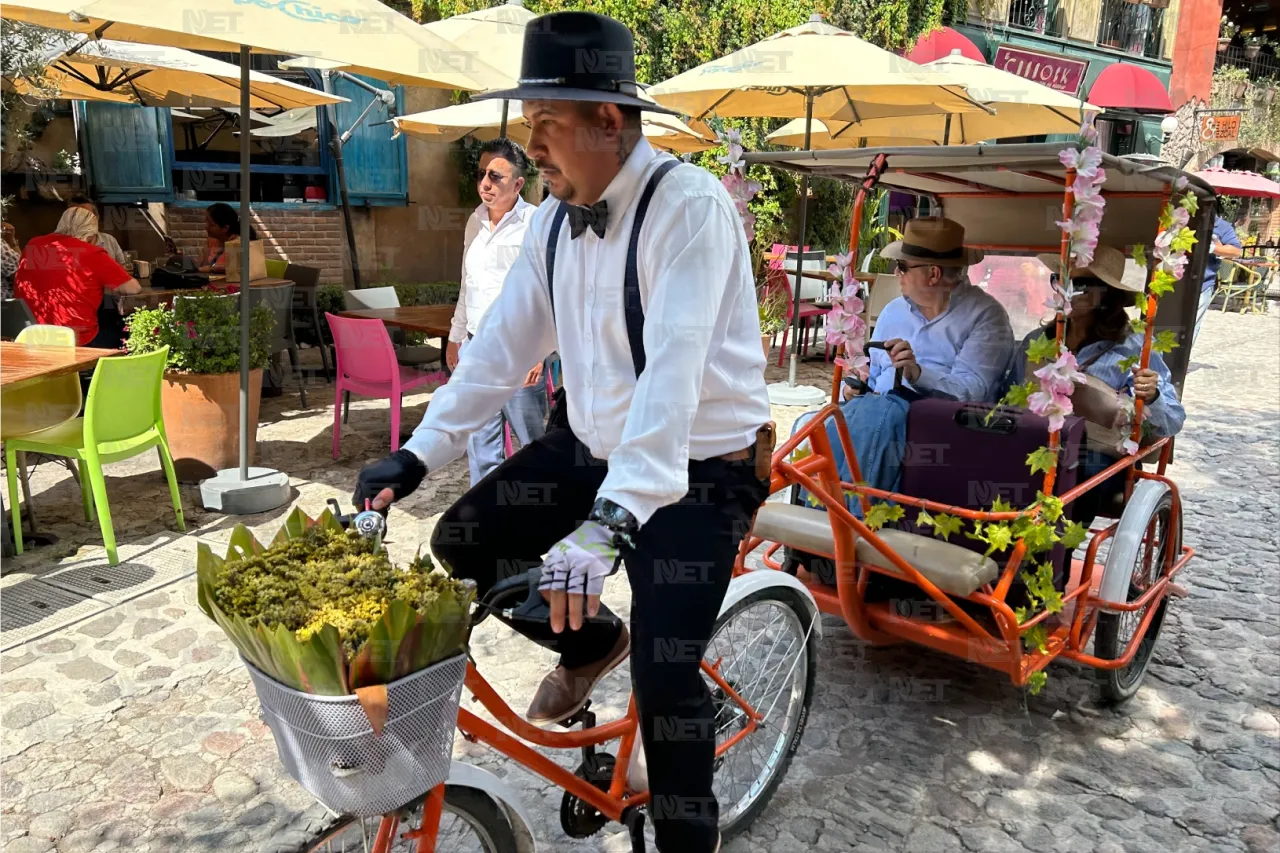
{"points": [[1002, 193]]}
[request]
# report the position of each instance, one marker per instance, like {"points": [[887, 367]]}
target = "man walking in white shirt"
{"points": [[494, 234], [666, 444]]}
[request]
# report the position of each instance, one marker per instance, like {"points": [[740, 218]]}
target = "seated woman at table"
{"points": [[222, 224], [63, 275]]}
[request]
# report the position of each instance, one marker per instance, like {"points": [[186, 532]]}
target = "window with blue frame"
{"points": [[151, 154]]}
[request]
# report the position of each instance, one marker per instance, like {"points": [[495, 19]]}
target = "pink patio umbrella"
{"points": [[1247, 184]]}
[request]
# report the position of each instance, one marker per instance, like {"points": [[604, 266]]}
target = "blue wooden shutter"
{"points": [[129, 152], [375, 164]]}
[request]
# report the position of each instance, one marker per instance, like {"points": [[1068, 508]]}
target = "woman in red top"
{"points": [[63, 275]]}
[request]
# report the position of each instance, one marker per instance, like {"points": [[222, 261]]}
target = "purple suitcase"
{"points": [[955, 457]]}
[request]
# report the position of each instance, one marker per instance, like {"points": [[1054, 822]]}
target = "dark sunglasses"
{"points": [[903, 266], [494, 177]]}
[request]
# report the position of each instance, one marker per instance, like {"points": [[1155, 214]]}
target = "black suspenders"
{"points": [[631, 279]]}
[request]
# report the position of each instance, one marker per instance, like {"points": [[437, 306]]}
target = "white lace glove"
{"points": [[575, 567]]}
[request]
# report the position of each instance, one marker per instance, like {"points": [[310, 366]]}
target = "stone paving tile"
{"points": [[137, 729]]}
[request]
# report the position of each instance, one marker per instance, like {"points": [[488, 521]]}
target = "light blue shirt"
{"points": [[1165, 414], [963, 352]]}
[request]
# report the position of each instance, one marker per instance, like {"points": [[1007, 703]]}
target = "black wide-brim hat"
{"points": [[577, 56]]}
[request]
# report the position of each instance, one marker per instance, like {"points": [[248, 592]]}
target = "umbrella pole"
{"points": [[232, 490], [502, 128], [946, 131], [804, 206], [245, 256]]}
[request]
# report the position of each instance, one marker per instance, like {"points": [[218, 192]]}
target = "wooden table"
{"points": [[432, 320], [154, 297], [21, 363]]}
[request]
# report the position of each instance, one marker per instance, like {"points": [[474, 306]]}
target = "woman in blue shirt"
{"points": [[1099, 335]]}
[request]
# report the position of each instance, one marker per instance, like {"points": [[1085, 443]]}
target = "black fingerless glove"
{"points": [[402, 472]]}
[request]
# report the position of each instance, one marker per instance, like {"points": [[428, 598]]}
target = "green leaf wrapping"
{"points": [[416, 616]]}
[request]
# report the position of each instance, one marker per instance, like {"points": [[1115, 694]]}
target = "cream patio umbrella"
{"points": [[1021, 108], [791, 135], [497, 33], [483, 120], [363, 35], [157, 76], [818, 71]]}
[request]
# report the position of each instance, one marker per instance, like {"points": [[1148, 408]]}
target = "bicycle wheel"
{"points": [[1115, 630], [768, 655], [471, 822]]}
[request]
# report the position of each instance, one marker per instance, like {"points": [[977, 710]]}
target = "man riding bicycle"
{"points": [[639, 275]]}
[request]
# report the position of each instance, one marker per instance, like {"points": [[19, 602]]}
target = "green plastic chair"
{"points": [[122, 418], [275, 268]]}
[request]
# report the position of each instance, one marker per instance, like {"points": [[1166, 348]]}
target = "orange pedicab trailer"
{"points": [[1009, 199]]}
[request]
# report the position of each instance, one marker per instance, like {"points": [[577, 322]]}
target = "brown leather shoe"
{"points": [[564, 691]]}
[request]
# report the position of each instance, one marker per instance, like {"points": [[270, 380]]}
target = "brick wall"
{"points": [[313, 238]]}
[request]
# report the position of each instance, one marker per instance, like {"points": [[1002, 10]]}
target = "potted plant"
{"points": [[1254, 45], [772, 307], [200, 394], [1226, 32]]}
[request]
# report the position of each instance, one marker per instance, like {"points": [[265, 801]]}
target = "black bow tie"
{"points": [[595, 215]]}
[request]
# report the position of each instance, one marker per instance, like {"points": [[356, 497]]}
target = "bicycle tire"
{"points": [[1119, 685], [316, 827], [790, 598]]}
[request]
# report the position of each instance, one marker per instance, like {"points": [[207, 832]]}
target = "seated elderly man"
{"points": [[949, 338]]}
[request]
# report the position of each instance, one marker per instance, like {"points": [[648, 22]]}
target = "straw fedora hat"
{"points": [[935, 240], [1107, 267]]}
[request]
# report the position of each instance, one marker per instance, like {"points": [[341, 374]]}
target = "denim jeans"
{"points": [[1206, 297], [878, 431], [526, 412]]}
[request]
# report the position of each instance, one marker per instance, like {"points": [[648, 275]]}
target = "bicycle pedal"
{"points": [[583, 715]]}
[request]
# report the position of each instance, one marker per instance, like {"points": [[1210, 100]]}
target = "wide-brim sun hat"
{"points": [[1107, 266], [933, 240]]}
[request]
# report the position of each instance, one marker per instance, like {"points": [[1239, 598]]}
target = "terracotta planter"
{"points": [[1251, 51], [202, 419], [1223, 44], [766, 341]]}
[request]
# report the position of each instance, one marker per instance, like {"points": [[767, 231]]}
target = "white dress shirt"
{"points": [[489, 251], [702, 393]]}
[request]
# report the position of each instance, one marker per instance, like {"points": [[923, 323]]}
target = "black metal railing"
{"points": [[1259, 64], [1038, 16], [1135, 28]]}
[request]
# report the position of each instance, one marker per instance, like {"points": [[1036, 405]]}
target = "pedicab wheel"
{"points": [[767, 654], [471, 822], [1115, 630]]}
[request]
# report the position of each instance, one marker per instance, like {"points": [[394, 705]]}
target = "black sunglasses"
{"points": [[903, 266], [494, 177]]}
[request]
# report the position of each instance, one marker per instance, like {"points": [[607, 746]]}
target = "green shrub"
{"points": [[202, 332]]}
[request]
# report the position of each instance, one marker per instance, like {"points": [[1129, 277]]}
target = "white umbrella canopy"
{"points": [[496, 33], [158, 76], [482, 120], [364, 36], [778, 76]]}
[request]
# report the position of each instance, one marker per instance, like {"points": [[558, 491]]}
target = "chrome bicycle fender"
{"points": [[470, 776], [750, 582], [1128, 538]]}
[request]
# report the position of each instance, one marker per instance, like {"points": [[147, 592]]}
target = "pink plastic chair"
{"points": [[780, 250], [366, 365], [777, 280]]}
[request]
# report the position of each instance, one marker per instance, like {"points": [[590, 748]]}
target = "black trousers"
{"points": [[679, 571]]}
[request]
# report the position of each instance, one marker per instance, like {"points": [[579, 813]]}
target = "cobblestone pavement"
{"points": [[134, 728]]}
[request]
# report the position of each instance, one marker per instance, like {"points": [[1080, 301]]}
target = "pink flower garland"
{"points": [[735, 181], [1058, 380], [845, 326]]}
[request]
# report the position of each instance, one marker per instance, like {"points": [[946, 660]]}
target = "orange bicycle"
{"points": [[759, 666]]}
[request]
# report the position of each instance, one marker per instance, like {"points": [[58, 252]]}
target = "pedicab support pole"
{"points": [[244, 490], [789, 393]]}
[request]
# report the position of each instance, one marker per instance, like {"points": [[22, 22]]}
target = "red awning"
{"points": [[1229, 182], [944, 42], [1125, 86]]}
